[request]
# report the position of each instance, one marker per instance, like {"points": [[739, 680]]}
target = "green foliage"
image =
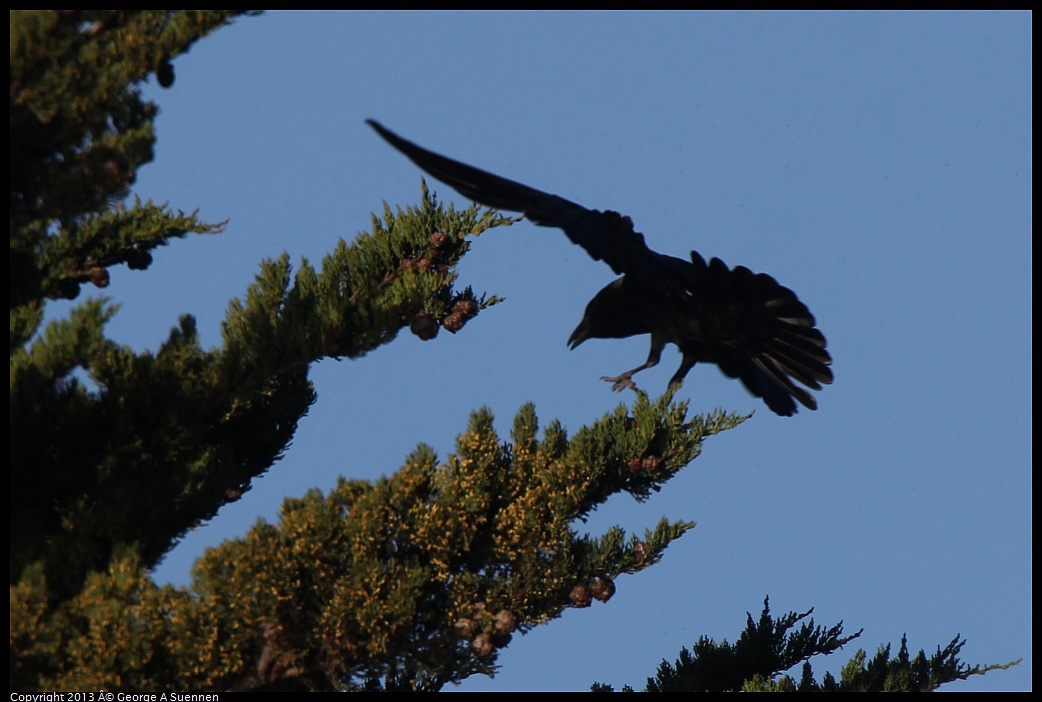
{"points": [[407, 583], [766, 647], [904, 673], [93, 462], [769, 647], [110, 447], [413, 581], [79, 132], [423, 575]]}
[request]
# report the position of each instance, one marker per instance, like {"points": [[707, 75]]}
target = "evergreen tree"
{"points": [[406, 583], [759, 659], [409, 582]]}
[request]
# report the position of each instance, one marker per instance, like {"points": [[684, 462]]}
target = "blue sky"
{"points": [[878, 164]]}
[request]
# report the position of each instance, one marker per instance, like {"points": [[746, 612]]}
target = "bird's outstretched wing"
{"points": [[606, 236], [758, 331], [746, 323]]}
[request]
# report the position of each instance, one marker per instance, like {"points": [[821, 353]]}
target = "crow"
{"points": [[750, 326]]}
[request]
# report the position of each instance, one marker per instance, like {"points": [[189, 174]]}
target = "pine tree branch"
{"points": [[768, 647], [416, 579]]}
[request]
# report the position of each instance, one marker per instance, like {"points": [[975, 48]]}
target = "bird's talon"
{"points": [[620, 383]]}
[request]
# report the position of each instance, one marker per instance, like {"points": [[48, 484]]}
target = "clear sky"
{"points": [[878, 164]]}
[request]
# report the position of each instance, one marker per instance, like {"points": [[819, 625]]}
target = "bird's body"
{"points": [[747, 324]]}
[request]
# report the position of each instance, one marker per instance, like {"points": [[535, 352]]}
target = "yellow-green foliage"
{"points": [[422, 575]]}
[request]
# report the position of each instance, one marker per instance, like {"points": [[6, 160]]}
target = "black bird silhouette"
{"points": [[751, 327]]}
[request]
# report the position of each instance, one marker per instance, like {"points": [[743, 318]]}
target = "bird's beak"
{"points": [[581, 334]]}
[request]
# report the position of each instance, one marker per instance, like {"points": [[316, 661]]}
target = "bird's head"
{"points": [[615, 312]]}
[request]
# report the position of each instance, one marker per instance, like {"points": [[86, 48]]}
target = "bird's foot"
{"points": [[620, 383]]}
